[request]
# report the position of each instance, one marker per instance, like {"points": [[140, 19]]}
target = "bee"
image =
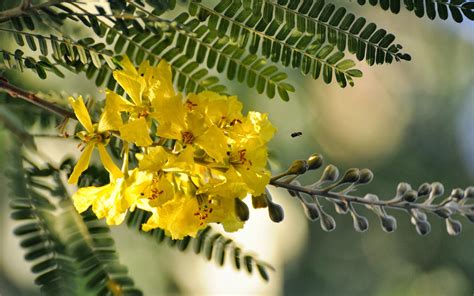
{"points": [[296, 134]]}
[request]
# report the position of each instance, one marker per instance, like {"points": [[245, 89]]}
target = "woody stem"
{"points": [[17, 92]]}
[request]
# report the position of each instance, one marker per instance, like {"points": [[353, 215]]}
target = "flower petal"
{"points": [[108, 162], [133, 85], [214, 142], [154, 160], [127, 66], [170, 110], [81, 113], [136, 131], [111, 118], [82, 163], [86, 196]]}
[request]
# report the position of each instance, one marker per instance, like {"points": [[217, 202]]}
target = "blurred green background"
{"points": [[410, 122]]}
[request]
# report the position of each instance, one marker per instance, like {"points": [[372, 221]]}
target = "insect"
{"points": [[296, 134]]}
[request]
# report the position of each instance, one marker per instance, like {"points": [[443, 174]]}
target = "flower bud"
{"points": [[311, 211], [469, 192], [423, 227], [389, 224], [470, 217], [328, 223], [350, 176], [298, 167], [437, 189], [366, 176], [424, 189], [275, 212], [371, 197], [241, 209], [410, 196], [453, 227], [402, 188], [341, 207], [330, 174], [360, 223], [443, 212], [457, 194], [315, 161]]}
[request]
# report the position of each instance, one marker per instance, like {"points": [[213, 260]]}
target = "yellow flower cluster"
{"points": [[199, 155]]}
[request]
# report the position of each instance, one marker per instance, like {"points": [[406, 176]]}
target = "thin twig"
{"points": [[401, 205]]}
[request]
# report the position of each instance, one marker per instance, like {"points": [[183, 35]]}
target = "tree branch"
{"points": [[34, 99], [25, 7]]}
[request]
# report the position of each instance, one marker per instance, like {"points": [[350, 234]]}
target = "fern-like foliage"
{"points": [[328, 23], [336, 190], [210, 244], [284, 46], [96, 60], [98, 259], [67, 249], [296, 36], [187, 44], [197, 41], [457, 9], [20, 62], [86, 55], [55, 268]]}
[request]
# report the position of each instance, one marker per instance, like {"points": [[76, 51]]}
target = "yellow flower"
{"points": [[95, 135], [255, 126], [185, 215], [113, 200], [216, 158], [218, 109], [145, 87], [249, 158], [191, 129], [157, 159], [177, 217]]}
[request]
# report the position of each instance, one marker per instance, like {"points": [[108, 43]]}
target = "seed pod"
{"points": [[315, 161], [298, 167], [241, 209]]}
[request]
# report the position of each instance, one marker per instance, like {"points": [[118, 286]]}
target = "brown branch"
{"points": [[34, 99], [26, 7]]}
